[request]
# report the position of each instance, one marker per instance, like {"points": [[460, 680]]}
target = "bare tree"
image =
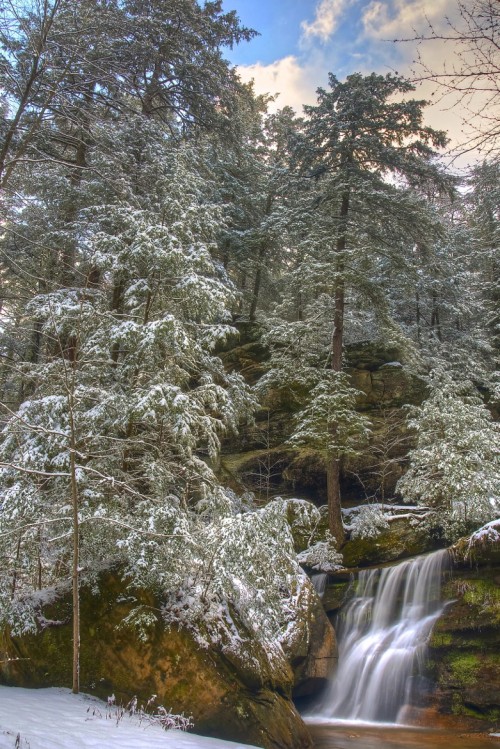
{"points": [[471, 78]]}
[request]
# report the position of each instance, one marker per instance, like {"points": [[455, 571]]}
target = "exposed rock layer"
{"points": [[237, 693]]}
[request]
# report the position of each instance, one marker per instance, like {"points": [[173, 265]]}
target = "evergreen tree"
{"points": [[455, 466], [363, 157], [61, 61], [125, 394], [116, 402]]}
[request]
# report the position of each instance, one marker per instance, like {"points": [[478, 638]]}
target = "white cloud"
{"points": [[402, 18], [326, 20], [296, 77], [295, 82], [408, 19]]}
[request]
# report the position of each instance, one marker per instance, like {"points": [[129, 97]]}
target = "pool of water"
{"points": [[354, 736]]}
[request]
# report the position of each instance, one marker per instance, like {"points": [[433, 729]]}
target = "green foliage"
{"points": [[455, 467], [464, 668], [329, 423]]}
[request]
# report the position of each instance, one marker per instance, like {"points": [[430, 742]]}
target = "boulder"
{"points": [[482, 548], [310, 645], [232, 687], [401, 541], [305, 521]]}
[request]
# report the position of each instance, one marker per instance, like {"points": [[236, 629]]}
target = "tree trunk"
{"points": [[419, 322], [257, 282], [69, 250], [333, 468], [335, 524], [76, 554], [435, 321], [260, 261], [15, 127]]}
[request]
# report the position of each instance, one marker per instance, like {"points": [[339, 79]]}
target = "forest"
{"points": [[152, 209]]}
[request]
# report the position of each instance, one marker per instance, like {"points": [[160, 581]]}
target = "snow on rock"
{"points": [[489, 533], [57, 719]]}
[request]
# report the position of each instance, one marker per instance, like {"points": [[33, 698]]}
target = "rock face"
{"points": [[311, 646], [465, 645], [237, 693], [401, 541], [260, 458]]}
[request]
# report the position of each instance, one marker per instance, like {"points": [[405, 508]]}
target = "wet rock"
{"points": [[465, 647], [310, 645]]}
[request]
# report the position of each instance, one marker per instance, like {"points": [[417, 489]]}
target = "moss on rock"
{"points": [[238, 693], [400, 541], [465, 647]]}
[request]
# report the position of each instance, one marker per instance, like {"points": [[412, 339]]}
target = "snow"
{"points": [[57, 719], [489, 533]]}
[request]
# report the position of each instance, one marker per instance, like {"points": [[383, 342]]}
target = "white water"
{"points": [[383, 637], [319, 581]]}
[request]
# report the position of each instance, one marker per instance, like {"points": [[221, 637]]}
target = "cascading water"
{"points": [[382, 640], [319, 581]]}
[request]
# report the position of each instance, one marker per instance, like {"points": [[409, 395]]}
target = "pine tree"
{"points": [[455, 466], [115, 398], [362, 157]]}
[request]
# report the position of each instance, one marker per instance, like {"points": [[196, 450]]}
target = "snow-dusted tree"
{"points": [[330, 425], [483, 218], [249, 173], [454, 314], [455, 466], [126, 398], [361, 153], [61, 61]]}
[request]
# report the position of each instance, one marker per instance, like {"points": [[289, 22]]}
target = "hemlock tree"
{"points": [[249, 172], [331, 401], [61, 61], [114, 393], [455, 467], [454, 315], [126, 395], [363, 158], [483, 218]]}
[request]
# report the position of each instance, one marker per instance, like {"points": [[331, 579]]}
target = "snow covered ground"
{"points": [[58, 719]]}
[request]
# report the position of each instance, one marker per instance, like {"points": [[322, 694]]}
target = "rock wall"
{"points": [[465, 644], [233, 691], [260, 458]]}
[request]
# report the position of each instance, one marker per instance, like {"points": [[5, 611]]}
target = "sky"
{"points": [[302, 40]]}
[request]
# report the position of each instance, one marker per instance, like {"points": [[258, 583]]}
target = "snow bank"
{"points": [[58, 719]]}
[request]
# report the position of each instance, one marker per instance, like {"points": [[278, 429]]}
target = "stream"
{"points": [[355, 736]]}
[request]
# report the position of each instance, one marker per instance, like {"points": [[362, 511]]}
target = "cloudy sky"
{"points": [[302, 40]]}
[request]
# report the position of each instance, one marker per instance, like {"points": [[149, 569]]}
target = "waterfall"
{"points": [[383, 636], [319, 581]]}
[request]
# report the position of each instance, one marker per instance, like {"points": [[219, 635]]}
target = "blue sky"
{"points": [[288, 27], [302, 40], [278, 24]]}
